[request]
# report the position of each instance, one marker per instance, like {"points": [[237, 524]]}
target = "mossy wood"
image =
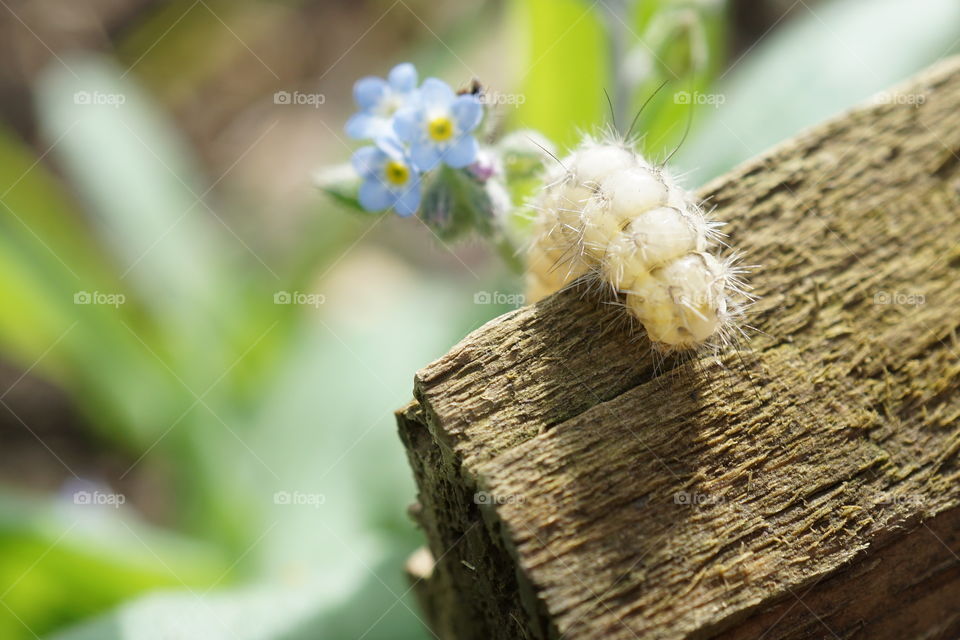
{"points": [[808, 487]]}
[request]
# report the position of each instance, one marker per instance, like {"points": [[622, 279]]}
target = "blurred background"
{"points": [[200, 353]]}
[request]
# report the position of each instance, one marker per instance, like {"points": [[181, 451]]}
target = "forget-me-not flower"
{"points": [[439, 125], [389, 178], [380, 99]]}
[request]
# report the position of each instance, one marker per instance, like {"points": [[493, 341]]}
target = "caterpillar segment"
{"points": [[609, 214]]}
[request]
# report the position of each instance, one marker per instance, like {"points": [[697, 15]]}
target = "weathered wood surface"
{"points": [[568, 488]]}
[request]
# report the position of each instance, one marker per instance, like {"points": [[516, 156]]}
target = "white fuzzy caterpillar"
{"points": [[607, 213]]}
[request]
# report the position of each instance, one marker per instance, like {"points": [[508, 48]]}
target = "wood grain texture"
{"points": [[805, 486]]}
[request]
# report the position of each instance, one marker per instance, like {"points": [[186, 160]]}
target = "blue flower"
{"points": [[438, 127], [389, 178], [379, 99]]}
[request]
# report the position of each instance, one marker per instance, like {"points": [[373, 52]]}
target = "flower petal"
{"points": [[461, 153], [369, 91], [368, 161], [436, 93], [425, 156], [468, 112], [392, 147], [407, 123], [374, 195], [362, 125], [412, 98], [403, 77], [408, 200]]}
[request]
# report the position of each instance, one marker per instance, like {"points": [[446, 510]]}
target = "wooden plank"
{"points": [[569, 486]]}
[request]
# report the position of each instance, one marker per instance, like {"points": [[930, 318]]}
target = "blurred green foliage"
{"points": [[245, 399], [829, 57]]}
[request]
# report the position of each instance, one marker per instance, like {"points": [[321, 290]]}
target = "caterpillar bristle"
{"points": [[611, 219]]}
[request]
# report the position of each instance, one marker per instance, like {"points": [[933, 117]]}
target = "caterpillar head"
{"points": [[682, 305]]}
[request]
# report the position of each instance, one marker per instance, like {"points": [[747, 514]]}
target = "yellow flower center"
{"points": [[440, 129], [396, 173]]}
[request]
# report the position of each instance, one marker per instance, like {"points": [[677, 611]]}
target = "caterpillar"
{"points": [[607, 214]]}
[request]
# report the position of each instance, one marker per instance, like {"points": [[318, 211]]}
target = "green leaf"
{"points": [[564, 70], [378, 607], [142, 190], [47, 258], [46, 255], [342, 184], [685, 45], [52, 549], [454, 203]]}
